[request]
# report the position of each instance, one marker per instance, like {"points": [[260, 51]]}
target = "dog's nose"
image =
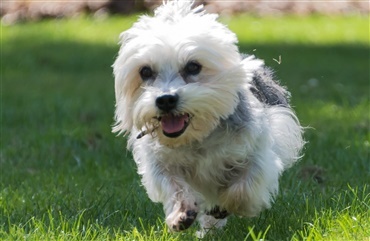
{"points": [[167, 102]]}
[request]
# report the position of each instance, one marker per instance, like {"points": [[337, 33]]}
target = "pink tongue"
{"points": [[172, 124]]}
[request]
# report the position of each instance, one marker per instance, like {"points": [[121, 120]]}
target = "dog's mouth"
{"points": [[174, 125]]}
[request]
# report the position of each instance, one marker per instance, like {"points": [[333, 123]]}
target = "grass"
{"points": [[65, 176]]}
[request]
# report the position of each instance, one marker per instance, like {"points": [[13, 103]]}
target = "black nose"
{"points": [[167, 102]]}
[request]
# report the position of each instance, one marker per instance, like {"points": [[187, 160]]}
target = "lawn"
{"points": [[65, 176]]}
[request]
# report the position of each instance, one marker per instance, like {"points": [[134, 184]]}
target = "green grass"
{"points": [[65, 176]]}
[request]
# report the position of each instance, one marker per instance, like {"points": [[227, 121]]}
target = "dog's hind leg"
{"points": [[255, 188]]}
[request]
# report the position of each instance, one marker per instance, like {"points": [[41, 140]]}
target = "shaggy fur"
{"points": [[210, 130]]}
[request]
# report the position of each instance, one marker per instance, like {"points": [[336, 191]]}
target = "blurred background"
{"points": [[20, 10], [61, 166]]}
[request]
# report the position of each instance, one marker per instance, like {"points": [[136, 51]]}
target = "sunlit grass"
{"points": [[320, 30], [65, 176], [347, 219]]}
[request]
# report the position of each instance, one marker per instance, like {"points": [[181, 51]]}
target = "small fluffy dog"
{"points": [[209, 128]]}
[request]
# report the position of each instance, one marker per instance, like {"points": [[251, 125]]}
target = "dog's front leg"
{"points": [[179, 200], [181, 208]]}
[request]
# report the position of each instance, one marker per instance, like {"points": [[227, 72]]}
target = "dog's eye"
{"points": [[146, 73], [192, 68]]}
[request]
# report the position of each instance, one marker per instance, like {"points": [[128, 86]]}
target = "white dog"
{"points": [[210, 130]]}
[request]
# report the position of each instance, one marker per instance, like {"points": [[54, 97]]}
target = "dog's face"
{"points": [[176, 76]]}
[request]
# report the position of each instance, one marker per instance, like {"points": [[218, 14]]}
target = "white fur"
{"points": [[210, 164]]}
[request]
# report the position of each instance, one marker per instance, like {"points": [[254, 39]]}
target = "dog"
{"points": [[210, 128]]}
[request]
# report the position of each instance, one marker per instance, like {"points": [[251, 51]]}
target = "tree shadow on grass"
{"points": [[330, 73], [335, 73]]}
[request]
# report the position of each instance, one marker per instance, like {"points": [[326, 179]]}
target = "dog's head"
{"points": [[177, 75]]}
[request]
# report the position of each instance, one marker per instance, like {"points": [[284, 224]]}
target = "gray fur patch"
{"points": [[240, 118], [268, 91]]}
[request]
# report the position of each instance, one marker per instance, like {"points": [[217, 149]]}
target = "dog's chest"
{"points": [[208, 167]]}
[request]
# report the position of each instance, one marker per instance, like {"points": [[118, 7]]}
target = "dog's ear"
{"points": [[123, 120], [123, 114]]}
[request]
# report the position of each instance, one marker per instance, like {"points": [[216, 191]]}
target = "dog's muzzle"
{"points": [[173, 124]]}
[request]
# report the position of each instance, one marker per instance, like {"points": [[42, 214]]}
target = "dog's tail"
{"points": [[262, 84]]}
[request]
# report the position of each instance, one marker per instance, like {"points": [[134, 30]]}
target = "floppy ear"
{"points": [[119, 65], [123, 113]]}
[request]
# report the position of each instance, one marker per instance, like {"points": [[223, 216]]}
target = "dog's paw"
{"points": [[218, 213], [182, 218]]}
